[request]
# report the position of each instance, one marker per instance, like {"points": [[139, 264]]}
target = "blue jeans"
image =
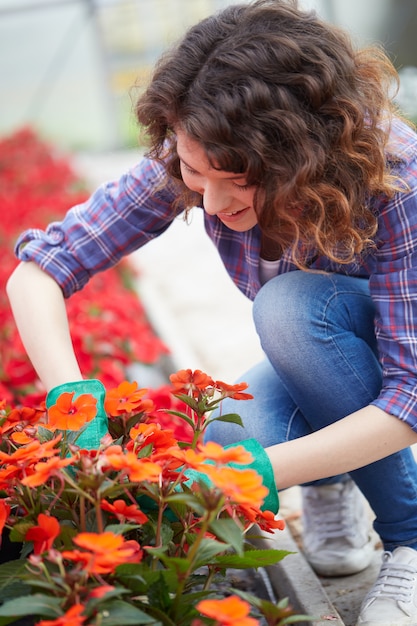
{"points": [[317, 332]]}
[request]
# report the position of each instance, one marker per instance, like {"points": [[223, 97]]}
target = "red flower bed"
{"points": [[109, 326]]}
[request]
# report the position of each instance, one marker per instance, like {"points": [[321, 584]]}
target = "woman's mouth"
{"points": [[232, 216]]}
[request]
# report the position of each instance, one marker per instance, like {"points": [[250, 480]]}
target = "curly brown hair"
{"points": [[274, 92]]}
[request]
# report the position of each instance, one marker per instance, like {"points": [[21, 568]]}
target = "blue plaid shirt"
{"points": [[122, 216]]}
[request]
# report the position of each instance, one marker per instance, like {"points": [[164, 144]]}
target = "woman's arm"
{"points": [[361, 438], [39, 310]]}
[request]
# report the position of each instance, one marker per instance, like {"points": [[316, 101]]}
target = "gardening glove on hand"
{"points": [[261, 464], [91, 437]]}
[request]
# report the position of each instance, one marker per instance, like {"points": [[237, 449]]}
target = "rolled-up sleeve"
{"points": [[120, 217], [393, 284]]}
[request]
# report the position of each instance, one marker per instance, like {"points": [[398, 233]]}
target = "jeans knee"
{"points": [[300, 311], [275, 306]]}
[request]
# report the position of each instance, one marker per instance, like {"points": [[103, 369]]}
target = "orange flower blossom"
{"points": [[44, 534], [4, 514], [216, 452], [70, 414], [124, 511], [211, 452], [72, 617], [264, 519], [138, 470], [100, 592], [151, 433], [230, 611], [125, 398], [44, 470], [22, 416], [190, 383], [233, 391], [242, 486], [104, 552], [31, 453], [21, 438], [9, 476]]}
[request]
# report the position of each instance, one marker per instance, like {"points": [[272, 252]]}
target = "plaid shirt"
{"points": [[124, 215]]}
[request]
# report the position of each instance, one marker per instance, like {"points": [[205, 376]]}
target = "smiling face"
{"points": [[225, 194]]}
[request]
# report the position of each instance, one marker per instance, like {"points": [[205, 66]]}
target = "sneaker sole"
{"points": [[340, 568]]}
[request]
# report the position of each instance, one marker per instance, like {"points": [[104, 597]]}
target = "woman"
{"points": [[269, 120]]}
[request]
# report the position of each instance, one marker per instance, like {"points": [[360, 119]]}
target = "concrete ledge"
{"points": [[293, 578]]}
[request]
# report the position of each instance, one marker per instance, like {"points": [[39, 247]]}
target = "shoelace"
{"points": [[395, 581], [331, 519]]}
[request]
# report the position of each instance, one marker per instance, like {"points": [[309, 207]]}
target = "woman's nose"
{"points": [[215, 199]]}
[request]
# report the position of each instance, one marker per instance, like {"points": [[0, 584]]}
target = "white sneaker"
{"points": [[392, 600], [336, 529]]}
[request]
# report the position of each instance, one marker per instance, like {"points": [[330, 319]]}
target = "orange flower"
{"points": [[43, 535], [70, 414], [104, 552], [21, 437], [4, 514], [125, 398], [72, 617], [8, 475], [123, 511], [235, 454], [138, 470], [31, 453], [233, 391], [242, 486], [44, 470], [264, 519], [190, 458], [190, 383], [100, 592], [23, 415], [150, 433], [230, 611]]}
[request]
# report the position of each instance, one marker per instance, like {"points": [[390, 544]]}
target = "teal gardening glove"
{"points": [[262, 466], [98, 427]]}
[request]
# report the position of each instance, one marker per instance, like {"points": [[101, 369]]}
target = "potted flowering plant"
{"points": [[139, 530]]}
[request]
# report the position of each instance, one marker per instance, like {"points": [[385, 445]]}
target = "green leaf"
{"points": [[188, 499], [145, 451], [230, 532], [119, 613], [121, 529], [138, 577], [191, 402], [37, 604], [208, 549], [11, 584], [45, 434], [233, 418], [176, 564], [159, 596], [252, 559], [182, 416], [280, 613], [19, 530]]}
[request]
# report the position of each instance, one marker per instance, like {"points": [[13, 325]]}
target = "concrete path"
{"points": [[207, 324]]}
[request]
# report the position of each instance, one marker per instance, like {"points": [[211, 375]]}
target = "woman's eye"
{"points": [[242, 187], [188, 169]]}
